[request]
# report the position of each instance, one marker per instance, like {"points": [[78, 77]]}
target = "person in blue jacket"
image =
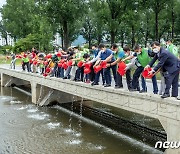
{"points": [[108, 56]]}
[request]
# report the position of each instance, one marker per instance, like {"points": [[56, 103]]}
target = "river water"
{"points": [[28, 129]]}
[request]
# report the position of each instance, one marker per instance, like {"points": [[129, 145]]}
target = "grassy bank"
{"points": [[4, 60]]}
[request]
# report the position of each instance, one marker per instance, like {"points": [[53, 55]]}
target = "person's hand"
{"points": [[126, 68], [151, 72], [73, 63], [146, 67], [123, 60], [108, 65]]}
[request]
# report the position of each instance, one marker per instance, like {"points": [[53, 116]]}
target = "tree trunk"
{"points": [[173, 21], [5, 37], [113, 35], [122, 38], [147, 31], [89, 40], [133, 36], [156, 27], [99, 39], [15, 39], [66, 35], [62, 37], [62, 40]]}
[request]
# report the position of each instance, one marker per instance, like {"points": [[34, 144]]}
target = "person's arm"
{"points": [[96, 58], [163, 58], [63, 52], [128, 58], [128, 66], [76, 59], [114, 63], [109, 58], [152, 61], [97, 62]]}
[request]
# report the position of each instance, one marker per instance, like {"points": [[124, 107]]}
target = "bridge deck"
{"points": [[147, 104]]}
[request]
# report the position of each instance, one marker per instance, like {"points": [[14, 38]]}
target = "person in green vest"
{"points": [[172, 48], [79, 75], [25, 62], [143, 58]]}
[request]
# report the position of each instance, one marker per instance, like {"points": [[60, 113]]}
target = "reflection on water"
{"points": [[28, 129]]}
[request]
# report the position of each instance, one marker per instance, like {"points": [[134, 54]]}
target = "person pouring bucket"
{"points": [[170, 65]]}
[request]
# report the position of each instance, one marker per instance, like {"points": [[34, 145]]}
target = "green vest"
{"points": [[41, 65], [26, 60], [143, 58], [173, 49], [80, 55]]}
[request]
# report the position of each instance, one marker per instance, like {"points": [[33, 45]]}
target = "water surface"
{"points": [[28, 129]]}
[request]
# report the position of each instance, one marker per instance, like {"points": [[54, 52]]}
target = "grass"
{"points": [[4, 60]]}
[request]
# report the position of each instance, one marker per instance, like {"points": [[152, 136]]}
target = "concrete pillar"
{"points": [[2, 91], [5, 79], [35, 91], [172, 128]]}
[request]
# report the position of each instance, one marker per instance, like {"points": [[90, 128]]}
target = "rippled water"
{"points": [[28, 129]]}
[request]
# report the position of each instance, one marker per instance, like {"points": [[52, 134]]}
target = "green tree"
{"points": [[17, 15], [88, 30], [115, 11], [98, 16], [24, 17], [66, 13], [27, 43], [157, 6]]}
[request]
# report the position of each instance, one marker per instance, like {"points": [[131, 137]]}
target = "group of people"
{"points": [[88, 65]]}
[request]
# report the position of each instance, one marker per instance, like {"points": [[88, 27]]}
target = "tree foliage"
{"points": [[67, 14], [122, 21]]}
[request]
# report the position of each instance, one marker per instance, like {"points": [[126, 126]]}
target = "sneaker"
{"points": [[117, 87], [165, 96], [94, 83], [142, 91], [107, 85], [77, 80], [178, 98], [133, 89]]}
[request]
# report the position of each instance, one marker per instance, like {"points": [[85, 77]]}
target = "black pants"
{"points": [[136, 75], [172, 80], [92, 74], [114, 71], [128, 79], [79, 75], [96, 79], [27, 65]]}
